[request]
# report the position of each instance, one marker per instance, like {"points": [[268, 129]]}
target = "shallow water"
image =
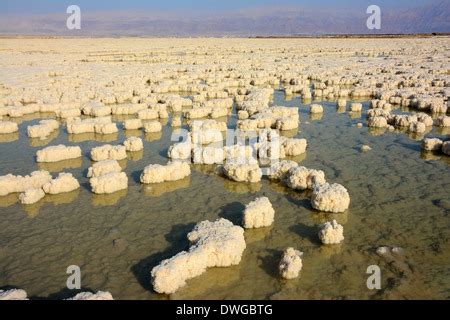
{"points": [[399, 197]]}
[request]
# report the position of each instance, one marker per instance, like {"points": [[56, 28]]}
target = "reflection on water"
{"points": [[9, 137], [37, 142], [33, 210], [105, 200], [60, 165], [355, 115], [158, 189], [135, 155], [398, 198], [152, 136], [315, 116], [91, 136]]}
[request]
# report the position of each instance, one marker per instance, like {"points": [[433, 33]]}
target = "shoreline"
{"points": [[325, 36]]}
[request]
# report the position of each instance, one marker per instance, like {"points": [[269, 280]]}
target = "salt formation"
{"points": [[65, 182], [241, 172], [377, 122], [293, 146], [258, 213], [432, 144], [8, 127], [330, 198], [109, 182], [279, 170], [180, 150], [108, 152], [208, 155], [365, 148], [301, 178], [156, 173], [103, 167], [58, 153], [341, 103], [133, 124], [443, 121], [291, 263], [13, 294], [331, 233], [356, 107], [133, 144], [31, 195], [13, 184], [316, 108], [99, 295], [152, 126], [43, 129], [213, 244], [101, 125]]}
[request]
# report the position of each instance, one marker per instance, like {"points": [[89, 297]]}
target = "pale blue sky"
{"points": [[52, 6]]}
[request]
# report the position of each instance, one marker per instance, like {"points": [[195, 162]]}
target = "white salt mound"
{"points": [[213, 244], [291, 263], [258, 213], [331, 233], [330, 198]]}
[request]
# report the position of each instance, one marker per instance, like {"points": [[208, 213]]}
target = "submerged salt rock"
{"points": [[100, 295], [242, 172], [258, 213], [156, 173], [432, 144], [331, 233], [108, 152], [103, 167], [133, 144], [301, 178], [213, 244], [31, 196], [58, 153], [330, 198], [65, 182], [291, 263], [109, 183], [13, 294]]}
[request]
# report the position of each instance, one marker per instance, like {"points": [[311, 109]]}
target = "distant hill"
{"points": [[262, 21]]}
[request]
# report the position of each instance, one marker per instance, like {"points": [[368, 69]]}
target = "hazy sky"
{"points": [[53, 6]]}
